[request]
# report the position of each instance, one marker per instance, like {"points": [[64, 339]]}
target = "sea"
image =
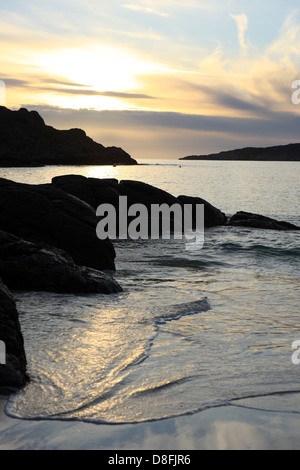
{"points": [[193, 329]]}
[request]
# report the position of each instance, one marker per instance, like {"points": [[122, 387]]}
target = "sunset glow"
{"points": [[228, 60]]}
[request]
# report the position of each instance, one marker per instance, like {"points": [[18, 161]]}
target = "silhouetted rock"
{"points": [[212, 216], [149, 196], [43, 213], [290, 152], [146, 194], [35, 266], [99, 191], [13, 372], [94, 191], [25, 140], [247, 219]]}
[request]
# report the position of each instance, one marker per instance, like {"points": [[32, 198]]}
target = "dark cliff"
{"points": [[25, 141]]}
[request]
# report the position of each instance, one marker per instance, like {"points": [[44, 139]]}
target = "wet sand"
{"points": [[224, 428]]}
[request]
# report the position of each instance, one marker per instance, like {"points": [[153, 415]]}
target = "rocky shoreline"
{"points": [[13, 375], [48, 242]]}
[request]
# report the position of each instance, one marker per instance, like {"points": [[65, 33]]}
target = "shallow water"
{"points": [[193, 329]]}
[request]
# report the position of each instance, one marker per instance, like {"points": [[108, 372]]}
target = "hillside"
{"points": [[290, 152], [26, 141]]}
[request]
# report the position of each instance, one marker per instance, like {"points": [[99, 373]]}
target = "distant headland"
{"points": [[26, 141], [285, 153]]}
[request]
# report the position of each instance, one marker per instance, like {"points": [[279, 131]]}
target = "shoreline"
{"points": [[226, 427], [223, 428]]}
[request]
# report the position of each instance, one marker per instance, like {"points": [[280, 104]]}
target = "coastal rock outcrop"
{"points": [[247, 219], [13, 363], [212, 216], [284, 153], [99, 191], [43, 213], [26, 141], [93, 191], [138, 192], [38, 267]]}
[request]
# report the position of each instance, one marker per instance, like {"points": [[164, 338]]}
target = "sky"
{"points": [[161, 79]]}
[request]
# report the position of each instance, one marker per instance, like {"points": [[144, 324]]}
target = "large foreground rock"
{"points": [[96, 191], [38, 267], [93, 191], [138, 192], [13, 373], [43, 213], [212, 215], [247, 219], [99, 191], [25, 140]]}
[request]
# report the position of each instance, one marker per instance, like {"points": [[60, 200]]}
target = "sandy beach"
{"points": [[222, 428]]}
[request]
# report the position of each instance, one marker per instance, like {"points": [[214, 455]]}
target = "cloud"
{"points": [[62, 82], [15, 82], [146, 134], [242, 25], [36, 80], [72, 88], [215, 95], [178, 5], [230, 98], [148, 35], [111, 94], [144, 9], [287, 44]]}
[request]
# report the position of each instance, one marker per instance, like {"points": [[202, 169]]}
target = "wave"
{"points": [[195, 408], [260, 249], [176, 311], [190, 263], [156, 388]]}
